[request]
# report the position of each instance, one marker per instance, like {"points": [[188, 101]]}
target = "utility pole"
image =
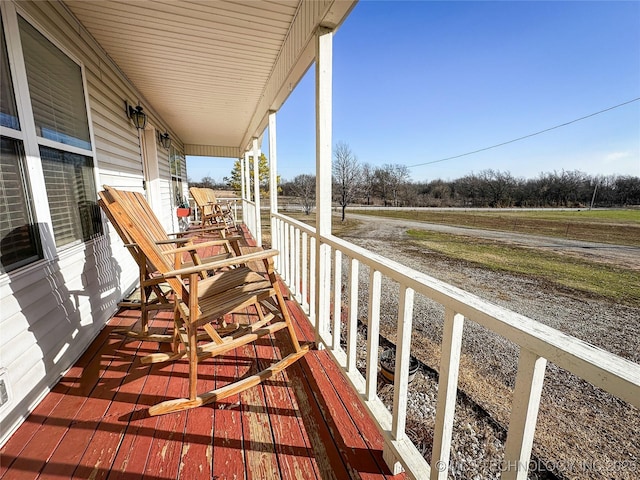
{"points": [[593, 198]]}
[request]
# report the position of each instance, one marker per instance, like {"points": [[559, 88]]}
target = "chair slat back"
{"points": [[133, 215], [200, 197]]}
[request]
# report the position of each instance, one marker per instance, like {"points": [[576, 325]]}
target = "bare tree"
{"points": [[347, 175], [399, 178], [368, 182], [304, 187], [390, 179]]}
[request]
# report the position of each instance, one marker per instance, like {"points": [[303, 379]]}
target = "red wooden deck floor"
{"points": [[305, 423]]}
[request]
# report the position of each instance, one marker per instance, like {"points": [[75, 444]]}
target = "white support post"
{"points": [[247, 182], [243, 191], [248, 219], [324, 60], [273, 182], [524, 415], [256, 189], [447, 388]]}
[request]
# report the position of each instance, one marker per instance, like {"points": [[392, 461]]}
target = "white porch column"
{"points": [[248, 213], [273, 183], [246, 176], [324, 60], [242, 190], [256, 189]]}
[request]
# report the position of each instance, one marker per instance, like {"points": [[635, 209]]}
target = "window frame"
{"points": [[32, 142]]}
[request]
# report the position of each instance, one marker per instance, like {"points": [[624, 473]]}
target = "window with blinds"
{"points": [[55, 87], [177, 165], [71, 192], [8, 111], [60, 115], [19, 243], [19, 239]]}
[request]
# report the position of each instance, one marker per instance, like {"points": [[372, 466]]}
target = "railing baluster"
{"points": [[447, 388], [403, 350], [278, 238], [287, 254], [337, 299], [352, 330], [283, 252], [324, 293], [292, 259], [296, 279], [524, 414], [312, 281], [305, 272], [373, 331]]}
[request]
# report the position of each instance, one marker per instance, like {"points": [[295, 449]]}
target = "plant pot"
{"points": [[183, 212], [388, 366]]}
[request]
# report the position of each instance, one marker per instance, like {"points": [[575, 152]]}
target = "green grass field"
{"points": [[614, 283], [618, 284], [620, 227]]}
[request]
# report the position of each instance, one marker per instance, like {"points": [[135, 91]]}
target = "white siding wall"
{"points": [[51, 310]]}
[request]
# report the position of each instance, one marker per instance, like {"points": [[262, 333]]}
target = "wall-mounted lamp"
{"points": [[136, 114], [164, 139]]}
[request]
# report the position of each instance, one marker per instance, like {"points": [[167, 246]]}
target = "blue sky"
{"points": [[416, 82]]}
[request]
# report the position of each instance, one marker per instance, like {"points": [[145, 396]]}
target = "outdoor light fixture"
{"points": [[136, 114], [164, 139]]}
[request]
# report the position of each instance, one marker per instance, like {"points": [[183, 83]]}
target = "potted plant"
{"points": [[388, 365], [183, 209]]}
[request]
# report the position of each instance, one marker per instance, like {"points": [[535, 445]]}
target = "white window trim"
{"points": [[27, 133]]}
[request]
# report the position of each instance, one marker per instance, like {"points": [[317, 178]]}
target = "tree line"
{"points": [[391, 185], [356, 183]]}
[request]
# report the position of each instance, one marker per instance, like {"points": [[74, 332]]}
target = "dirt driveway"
{"points": [[621, 255]]}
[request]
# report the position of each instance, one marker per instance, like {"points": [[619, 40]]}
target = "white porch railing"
{"points": [[249, 216], [538, 343]]}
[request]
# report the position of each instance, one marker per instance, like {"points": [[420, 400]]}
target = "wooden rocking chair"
{"points": [[223, 210], [203, 302], [154, 291], [211, 211]]}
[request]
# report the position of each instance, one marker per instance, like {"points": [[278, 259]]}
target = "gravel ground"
{"points": [[582, 431]]}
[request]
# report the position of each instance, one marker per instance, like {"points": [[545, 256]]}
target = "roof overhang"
{"points": [[212, 70]]}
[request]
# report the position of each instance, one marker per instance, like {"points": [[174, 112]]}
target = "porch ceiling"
{"points": [[211, 69]]}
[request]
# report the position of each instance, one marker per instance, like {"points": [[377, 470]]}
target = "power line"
{"points": [[526, 136]]}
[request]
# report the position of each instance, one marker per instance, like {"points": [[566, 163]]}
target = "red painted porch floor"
{"points": [[305, 423]]}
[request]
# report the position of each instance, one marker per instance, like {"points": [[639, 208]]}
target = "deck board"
{"points": [[228, 446], [304, 423]]}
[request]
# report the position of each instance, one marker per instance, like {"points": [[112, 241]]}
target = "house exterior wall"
{"points": [[53, 308]]}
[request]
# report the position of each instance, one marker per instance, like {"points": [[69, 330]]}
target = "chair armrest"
{"points": [[228, 262], [196, 246], [213, 228], [173, 240]]}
